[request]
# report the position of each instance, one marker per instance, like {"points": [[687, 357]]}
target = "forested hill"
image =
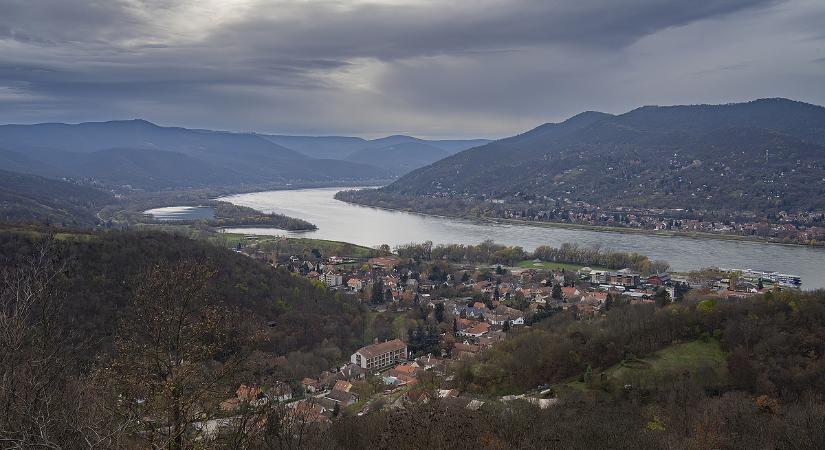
{"points": [[103, 270], [30, 198], [758, 156]]}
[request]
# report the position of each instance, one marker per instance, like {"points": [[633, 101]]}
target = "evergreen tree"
{"points": [[662, 297], [377, 292], [557, 294], [439, 312]]}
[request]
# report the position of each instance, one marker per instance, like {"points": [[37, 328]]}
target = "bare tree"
{"points": [[45, 400], [178, 352]]}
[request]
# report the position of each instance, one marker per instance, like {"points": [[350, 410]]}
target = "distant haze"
{"points": [[433, 69]]}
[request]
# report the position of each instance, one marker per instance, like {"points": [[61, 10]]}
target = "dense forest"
{"points": [[757, 157], [303, 321]]}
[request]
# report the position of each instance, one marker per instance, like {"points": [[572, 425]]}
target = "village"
{"points": [[802, 227], [446, 313]]}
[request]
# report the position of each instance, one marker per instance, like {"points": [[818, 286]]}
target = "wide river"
{"points": [[341, 221]]}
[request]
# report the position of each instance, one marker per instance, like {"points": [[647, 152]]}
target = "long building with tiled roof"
{"points": [[380, 355]]}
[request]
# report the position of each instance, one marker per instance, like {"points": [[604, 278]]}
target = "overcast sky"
{"points": [[432, 68]]}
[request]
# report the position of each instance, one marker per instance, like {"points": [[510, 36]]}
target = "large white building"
{"points": [[333, 279], [380, 355]]}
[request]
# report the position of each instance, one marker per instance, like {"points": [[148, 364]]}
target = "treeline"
{"points": [[485, 252], [491, 253], [597, 257]]}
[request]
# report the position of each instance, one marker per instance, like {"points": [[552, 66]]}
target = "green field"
{"points": [[328, 248], [702, 360], [705, 360], [549, 265]]}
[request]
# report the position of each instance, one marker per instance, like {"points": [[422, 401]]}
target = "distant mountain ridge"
{"points": [[138, 133], [764, 155], [400, 158], [341, 147], [144, 155], [147, 156], [396, 154]]}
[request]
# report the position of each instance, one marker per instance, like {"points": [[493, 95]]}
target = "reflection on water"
{"points": [[182, 213], [369, 226]]}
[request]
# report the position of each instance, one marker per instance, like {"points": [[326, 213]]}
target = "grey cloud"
{"points": [[462, 68], [392, 32]]}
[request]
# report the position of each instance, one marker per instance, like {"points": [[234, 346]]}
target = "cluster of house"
{"points": [[588, 295], [739, 283], [332, 391], [354, 278], [801, 227], [255, 396]]}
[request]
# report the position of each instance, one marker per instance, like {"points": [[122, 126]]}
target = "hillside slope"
{"points": [[104, 267], [32, 199], [760, 156]]}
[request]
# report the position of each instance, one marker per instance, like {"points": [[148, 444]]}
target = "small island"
{"points": [[225, 214], [229, 215]]}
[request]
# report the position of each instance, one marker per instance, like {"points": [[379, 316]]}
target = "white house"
{"points": [[332, 279]]}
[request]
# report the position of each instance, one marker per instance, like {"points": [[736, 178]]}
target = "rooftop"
{"points": [[382, 347]]}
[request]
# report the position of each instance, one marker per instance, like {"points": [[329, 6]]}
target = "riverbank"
{"points": [[600, 228], [371, 227], [133, 204]]}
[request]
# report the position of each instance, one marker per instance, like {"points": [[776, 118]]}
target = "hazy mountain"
{"points": [[323, 147], [342, 147], [139, 134], [455, 146], [148, 156], [33, 199], [400, 158], [756, 156]]}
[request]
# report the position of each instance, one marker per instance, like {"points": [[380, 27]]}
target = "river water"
{"points": [[341, 221]]}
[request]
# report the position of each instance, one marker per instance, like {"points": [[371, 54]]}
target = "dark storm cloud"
{"points": [[391, 32], [488, 67]]}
